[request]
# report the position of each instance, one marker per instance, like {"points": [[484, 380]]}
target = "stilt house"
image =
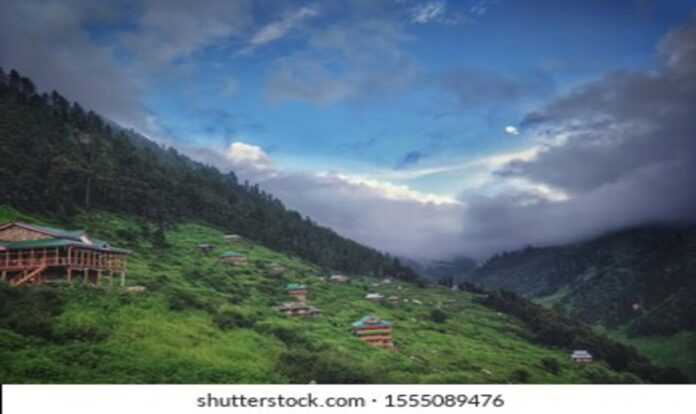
{"points": [[31, 254]]}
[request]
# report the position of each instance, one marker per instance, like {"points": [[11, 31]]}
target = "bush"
{"points": [[438, 316], [551, 365], [232, 318], [519, 376]]}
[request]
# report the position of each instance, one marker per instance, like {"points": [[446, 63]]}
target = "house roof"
{"points": [[61, 238], [371, 321], [49, 231], [295, 286], [231, 254], [581, 354], [373, 296]]}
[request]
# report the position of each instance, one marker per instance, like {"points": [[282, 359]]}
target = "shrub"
{"points": [[519, 376], [551, 365], [438, 316], [231, 318]]}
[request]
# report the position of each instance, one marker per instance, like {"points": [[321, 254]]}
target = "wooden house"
{"points": [[275, 269], [205, 247], [375, 297], [234, 258], [339, 278], [31, 254], [297, 291], [374, 331], [298, 309], [581, 357], [233, 238]]}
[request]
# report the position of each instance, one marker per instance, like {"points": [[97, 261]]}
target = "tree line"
{"points": [[59, 159]]}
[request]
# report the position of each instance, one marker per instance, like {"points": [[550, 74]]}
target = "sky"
{"points": [[429, 129]]}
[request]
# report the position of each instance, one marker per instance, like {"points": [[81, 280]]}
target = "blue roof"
{"points": [[371, 321], [230, 254]]}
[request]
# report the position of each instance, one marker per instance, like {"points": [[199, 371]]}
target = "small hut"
{"points": [[339, 278], [375, 297], [298, 309], [276, 269], [374, 331], [581, 357], [233, 238], [205, 247], [297, 291], [234, 258]]}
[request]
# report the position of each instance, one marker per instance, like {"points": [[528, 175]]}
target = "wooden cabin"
{"points": [[375, 297], [31, 254], [374, 331], [205, 247], [297, 291], [581, 357], [298, 309], [233, 238], [339, 278], [275, 269], [234, 258]]}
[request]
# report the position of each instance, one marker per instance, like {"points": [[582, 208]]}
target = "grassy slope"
{"points": [[678, 350], [169, 334]]}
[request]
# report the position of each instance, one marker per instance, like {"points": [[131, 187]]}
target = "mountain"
{"points": [[638, 283], [446, 272], [645, 277], [60, 160], [187, 317], [194, 319]]}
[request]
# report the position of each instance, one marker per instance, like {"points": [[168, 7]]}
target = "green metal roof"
{"points": [[295, 286], [371, 321], [231, 254], [50, 243]]}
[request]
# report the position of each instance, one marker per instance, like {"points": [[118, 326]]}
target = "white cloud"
{"points": [[512, 130], [427, 12], [279, 28], [247, 156]]}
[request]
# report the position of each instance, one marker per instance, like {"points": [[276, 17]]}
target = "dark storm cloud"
{"points": [[625, 154]]}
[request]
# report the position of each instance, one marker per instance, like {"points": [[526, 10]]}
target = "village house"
{"points": [[233, 238], [581, 357], [276, 269], [339, 278], [298, 309], [374, 331], [31, 254], [375, 297], [205, 247], [234, 258], [297, 291]]}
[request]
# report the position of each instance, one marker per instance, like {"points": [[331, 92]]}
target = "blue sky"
{"points": [[416, 106]]}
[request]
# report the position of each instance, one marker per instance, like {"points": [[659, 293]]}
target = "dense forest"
{"points": [[641, 278], [59, 159]]}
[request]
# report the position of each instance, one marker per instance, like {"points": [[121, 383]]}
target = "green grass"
{"points": [[677, 350], [202, 321]]}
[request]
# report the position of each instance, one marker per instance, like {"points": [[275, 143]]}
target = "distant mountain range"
{"points": [[643, 278]]}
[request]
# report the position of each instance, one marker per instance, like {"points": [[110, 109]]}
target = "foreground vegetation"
{"points": [[201, 321]]}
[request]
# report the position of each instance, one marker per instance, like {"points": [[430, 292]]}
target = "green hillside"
{"points": [[201, 321], [638, 284]]}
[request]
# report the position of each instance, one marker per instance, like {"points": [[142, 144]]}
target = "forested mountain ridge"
{"points": [[643, 278], [59, 159]]}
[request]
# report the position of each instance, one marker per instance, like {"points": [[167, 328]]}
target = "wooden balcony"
{"points": [[74, 258]]}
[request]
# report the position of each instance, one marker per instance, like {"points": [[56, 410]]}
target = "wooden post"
{"points": [[98, 277], [70, 275], [85, 275], [4, 275]]}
